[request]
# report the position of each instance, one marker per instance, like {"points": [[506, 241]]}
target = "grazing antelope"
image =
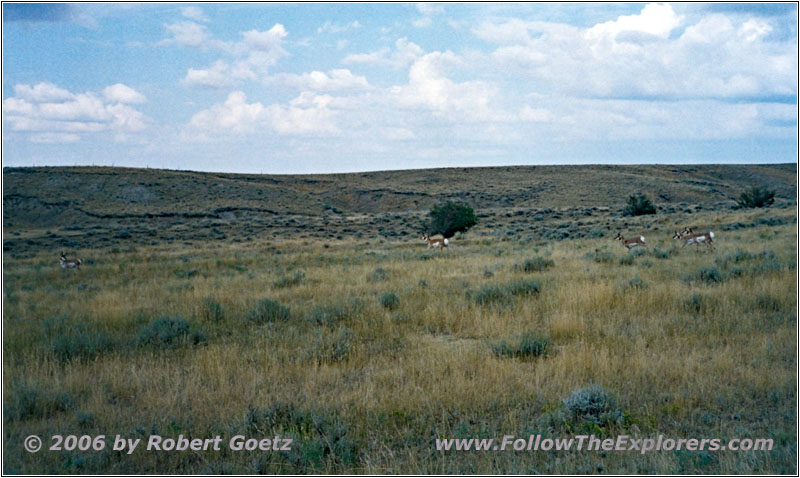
{"points": [[631, 243], [69, 263], [706, 238], [435, 242]]}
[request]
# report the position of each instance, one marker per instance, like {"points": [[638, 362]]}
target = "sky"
{"points": [[332, 87]]}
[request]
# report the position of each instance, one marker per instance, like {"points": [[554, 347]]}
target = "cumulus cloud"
{"points": [[334, 80], [428, 11], [653, 54], [120, 93], [251, 58], [194, 13], [52, 114], [186, 33], [430, 89], [655, 19], [308, 114], [404, 53]]}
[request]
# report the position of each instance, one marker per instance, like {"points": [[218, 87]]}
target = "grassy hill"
{"points": [[80, 208], [307, 307]]}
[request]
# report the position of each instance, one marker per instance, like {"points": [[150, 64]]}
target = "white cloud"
{"points": [[404, 53], [186, 33], [307, 114], [428, 10], [655, 19], [334, 80], [647, 55], [329, 27], [252, 57], [428, 88], [42, 93], [51, 114], [120, 93], [194, 13]]}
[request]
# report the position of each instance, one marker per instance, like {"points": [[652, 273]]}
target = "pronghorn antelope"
{"points": [[69, 263], [437, 242], [631, 243], [686, 239], [706, 238]]}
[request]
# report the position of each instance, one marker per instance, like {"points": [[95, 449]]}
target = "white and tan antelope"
{"points": [[706, 238], [435, 242], [69, 263], [631, 243], [686, 239]]}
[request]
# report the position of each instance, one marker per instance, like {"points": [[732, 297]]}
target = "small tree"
{"points": [[449, 218], [639, 205], [756, 197]]}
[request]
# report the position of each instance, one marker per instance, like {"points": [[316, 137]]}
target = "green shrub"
{"points": [[322, 442], [639, 205], [34, 403], [601, 257], [213, 311], [636, 283], [81, 344], [170, 332], [694, 303], [289, 281], [756, 197], [593, 404], [328, 348], [524, 287], [532, 345], [487, 294], [268, 310], [389, 300], [535, 264], [710, 275], [378, 275], [329, 315], [449, 218]]}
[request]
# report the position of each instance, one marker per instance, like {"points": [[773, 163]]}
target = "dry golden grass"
{"points": [[684, 357]]}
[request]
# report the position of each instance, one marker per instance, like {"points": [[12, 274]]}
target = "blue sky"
{"points": [[320, 88]]}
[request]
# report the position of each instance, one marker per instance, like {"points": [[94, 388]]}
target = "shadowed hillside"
{"points": [[97, 207]]}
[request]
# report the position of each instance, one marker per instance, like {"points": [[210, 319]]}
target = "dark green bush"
{"points": [[322, 442], [487, 294], [389, 300], [535, 264], [81, 344], [330, 314], [268, 310], [170, 332], [756, 197], [289, 281], [449, 218], [524, 287], [710, 275], [532, 345], [639, 205], [34, 403]]}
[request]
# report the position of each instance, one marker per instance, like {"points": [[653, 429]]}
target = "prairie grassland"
{"points": [[367, 352]]}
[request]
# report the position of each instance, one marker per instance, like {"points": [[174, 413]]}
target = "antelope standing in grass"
{"points": [[631, 243], [435, 242], [69, 263], [706, 238]]}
